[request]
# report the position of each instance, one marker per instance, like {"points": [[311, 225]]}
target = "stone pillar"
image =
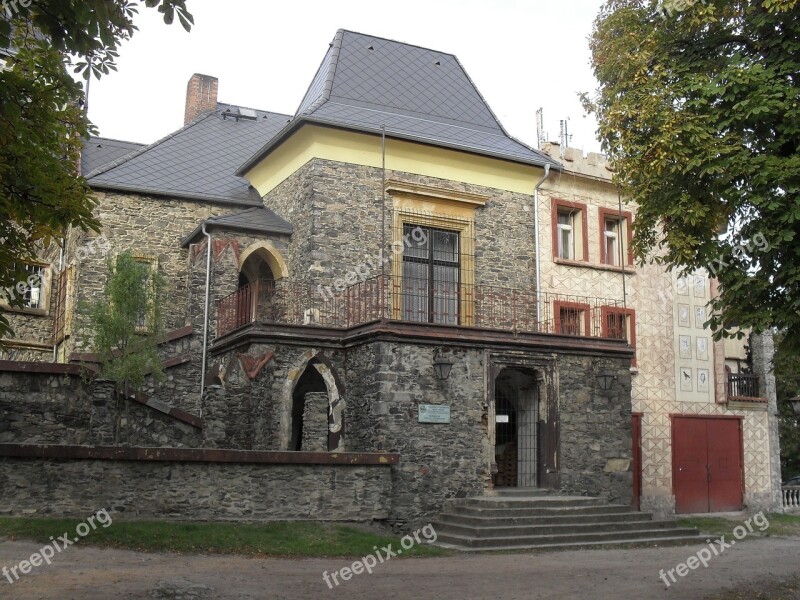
{"points": [[763, 350], [315, 422]]}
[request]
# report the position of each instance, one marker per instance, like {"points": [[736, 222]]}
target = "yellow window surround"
{"points": [[438, 208]]}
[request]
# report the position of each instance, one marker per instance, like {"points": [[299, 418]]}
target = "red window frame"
{"points": [[619, 216], [607, 311], [572, 206], [584, 308]]}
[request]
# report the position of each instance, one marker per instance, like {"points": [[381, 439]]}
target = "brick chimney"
{"points": [[201, 96]]}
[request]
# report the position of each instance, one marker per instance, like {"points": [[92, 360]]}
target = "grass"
{"points": [[284, 539], [779, 525]]}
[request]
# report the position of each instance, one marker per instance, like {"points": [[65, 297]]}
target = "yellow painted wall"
{"points": [[314, 141]]}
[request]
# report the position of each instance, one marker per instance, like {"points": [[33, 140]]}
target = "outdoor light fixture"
{"points": [[795, 402], [441, 365], [606, 380]]}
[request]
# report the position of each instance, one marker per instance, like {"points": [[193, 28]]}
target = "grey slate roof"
{"points": [[366, 82], [100, 151], [197, 162], [252, 220]]}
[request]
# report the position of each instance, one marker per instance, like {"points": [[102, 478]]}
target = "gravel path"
{"points": [[85, 573]]}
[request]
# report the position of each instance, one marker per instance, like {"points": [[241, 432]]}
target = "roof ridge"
{"points": [[269, 112], [335, 49], [385, 39], [110, 139], [477, 91], [140, 151]]}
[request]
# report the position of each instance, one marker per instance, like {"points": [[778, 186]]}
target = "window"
{"points": [[34, 292], [566, 237], [143, 318], [620, 324], [431, 270], [32, 289], [571, 318], [615, 238], [612, 234], [569, 230]]}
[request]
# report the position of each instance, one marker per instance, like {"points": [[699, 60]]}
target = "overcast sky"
{"points": [[522, 54]]}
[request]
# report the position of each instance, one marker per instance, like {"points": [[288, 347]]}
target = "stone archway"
{"points": [[304, 379], [267, 252]]}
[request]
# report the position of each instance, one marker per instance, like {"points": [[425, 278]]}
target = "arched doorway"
{"points": [[260, 266], [516, 397], [314, 406], [257, 288], [309, 430]]}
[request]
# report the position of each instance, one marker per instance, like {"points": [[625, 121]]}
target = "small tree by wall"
{"points": [[124, 326]]}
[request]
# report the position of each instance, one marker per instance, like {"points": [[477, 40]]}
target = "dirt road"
{"points": [[84, 573]]}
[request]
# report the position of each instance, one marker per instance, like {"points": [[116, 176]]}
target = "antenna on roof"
{"points": [[541, 136], [565, 136]]}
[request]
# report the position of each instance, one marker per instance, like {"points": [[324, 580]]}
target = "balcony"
{"points": [[743, 387], [406, 300]]}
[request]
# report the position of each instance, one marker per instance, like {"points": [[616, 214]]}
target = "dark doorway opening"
{"points": [[516, 428], [310, 382]]}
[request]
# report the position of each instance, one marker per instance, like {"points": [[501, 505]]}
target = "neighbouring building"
{"points": [[385, 330]]}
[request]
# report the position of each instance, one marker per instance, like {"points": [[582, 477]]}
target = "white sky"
{"points": [[522, 54]]}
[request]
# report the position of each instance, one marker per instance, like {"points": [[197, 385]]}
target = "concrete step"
{"points": [[586, 538], [660, 542], [482, 510], [497, 529], [600, 517], [527, 502], [524, 492]]}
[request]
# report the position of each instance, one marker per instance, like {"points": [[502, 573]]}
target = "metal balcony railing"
{"points": [[417, 301], [742, 385]]}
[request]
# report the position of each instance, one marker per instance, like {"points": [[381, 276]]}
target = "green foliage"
{"points": [[699, 111], [42, 124], [787, 379], [125, 324]]}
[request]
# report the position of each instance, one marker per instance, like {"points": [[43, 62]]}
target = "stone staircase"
{"points": [[519, 519]]}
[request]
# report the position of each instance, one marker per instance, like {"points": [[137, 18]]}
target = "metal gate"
{"points": [[516, 423]]}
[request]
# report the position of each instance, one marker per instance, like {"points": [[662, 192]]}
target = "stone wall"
{"points": [[194, 490], [384, 383], [596, 445], [44, 408], [336, 211]]}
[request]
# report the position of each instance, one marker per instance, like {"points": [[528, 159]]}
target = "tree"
{"points": [[42, 124], [699, 110], [125, 325], [787, 379]]}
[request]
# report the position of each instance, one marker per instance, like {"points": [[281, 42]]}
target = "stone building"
{"points": [[355, 301]]}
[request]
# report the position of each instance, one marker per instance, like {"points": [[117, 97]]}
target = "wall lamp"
{"points": [[441, 365], [795, 402], [606, 380]]}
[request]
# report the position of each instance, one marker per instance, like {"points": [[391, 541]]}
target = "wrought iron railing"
{"points": [[742, 385], [417, 301]]}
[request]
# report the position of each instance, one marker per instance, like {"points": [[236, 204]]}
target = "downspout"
{"points": [[60, 274], [205, 320], [536, 235]]}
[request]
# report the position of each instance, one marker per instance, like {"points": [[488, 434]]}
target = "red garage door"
{"points": [[707, 464]]}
